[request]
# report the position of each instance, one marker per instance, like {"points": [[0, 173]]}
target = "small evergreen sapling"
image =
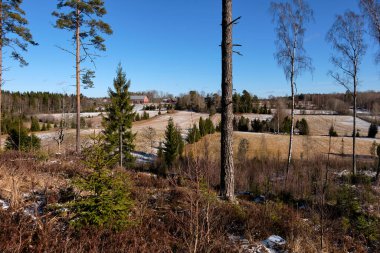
{"points": [[108, 202]]}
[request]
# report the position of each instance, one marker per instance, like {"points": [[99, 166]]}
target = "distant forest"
{"points": [[28, 103], [246, 102], [45, 102]]}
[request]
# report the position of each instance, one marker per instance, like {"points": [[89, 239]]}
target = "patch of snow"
{"points": [[4, 204], [273, 244], [274, 241], [143, 157]]}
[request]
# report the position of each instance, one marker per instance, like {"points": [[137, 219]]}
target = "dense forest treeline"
{"points": [[46, 102], [245, 102]]}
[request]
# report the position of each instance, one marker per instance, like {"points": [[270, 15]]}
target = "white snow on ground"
{"points": [[252, 116], [273, 244], [58, 116], [183, 119], [4, 204], [308, 112]]}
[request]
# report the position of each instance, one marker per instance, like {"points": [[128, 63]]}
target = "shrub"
{"points": [[243, 124], [145, 115], [286, 125], [372, 131], [332, 132], [19, 139], [35, 125], [303, 127], [210, 128], [193, 135]]}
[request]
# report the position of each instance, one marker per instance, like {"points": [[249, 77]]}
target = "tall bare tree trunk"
{"points": [[227, 183], [1, 68], [77, 65], [354, 133]]}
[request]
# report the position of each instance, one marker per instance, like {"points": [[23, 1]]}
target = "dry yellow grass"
{"points": [[277, 145]]}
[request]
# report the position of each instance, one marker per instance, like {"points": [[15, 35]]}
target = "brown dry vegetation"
{"points": [[179, 214], [274, 146]]}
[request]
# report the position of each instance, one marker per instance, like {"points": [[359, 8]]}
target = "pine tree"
{"points": [[118, 123], [14, 35], [83, 19], [227, 171], [173, 145]]}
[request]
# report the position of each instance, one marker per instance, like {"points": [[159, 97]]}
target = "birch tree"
{"points": [[291, 18], [82, 18], [346, 38], [371, 10], [15, 36]]}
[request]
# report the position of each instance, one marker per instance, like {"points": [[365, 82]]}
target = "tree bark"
{"points": [[227, 183], [354, 134], [77, 65], [292, 119]]}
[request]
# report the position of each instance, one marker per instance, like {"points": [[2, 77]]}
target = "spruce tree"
{"points": [[118, 123], [173, 146], [372, 131], [35, 125], [202, 127], [18, 139], [83, 19], [193, 135], [210, 128], [108, 202], [14, 35]]}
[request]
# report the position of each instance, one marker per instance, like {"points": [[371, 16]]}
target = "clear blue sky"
{"points": [[173, 46]]}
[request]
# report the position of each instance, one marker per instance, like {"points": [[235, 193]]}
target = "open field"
{"points": [[261, 145], [316, 143]]}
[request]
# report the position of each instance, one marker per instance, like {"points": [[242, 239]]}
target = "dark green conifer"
{"points": [[118, 123]]}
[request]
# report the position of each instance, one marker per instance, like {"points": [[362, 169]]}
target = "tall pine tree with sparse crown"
{"points": [[14, 35], [118, 123], [83, 19]]}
